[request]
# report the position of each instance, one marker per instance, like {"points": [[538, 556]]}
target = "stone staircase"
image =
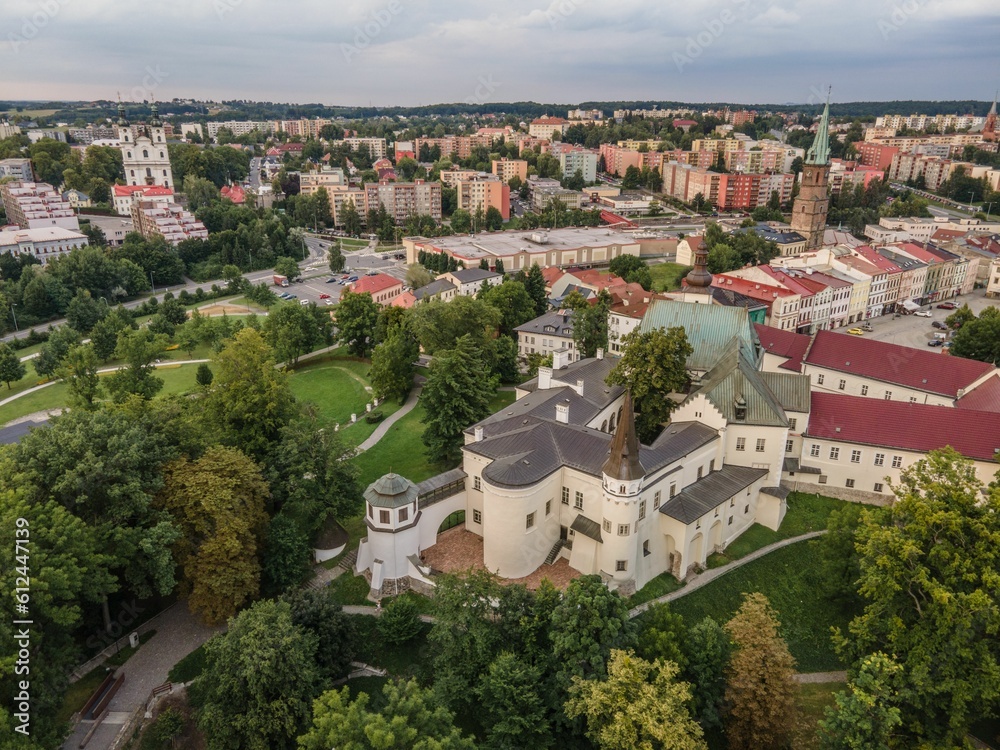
{"points": [[324, 576], [554, 552]]}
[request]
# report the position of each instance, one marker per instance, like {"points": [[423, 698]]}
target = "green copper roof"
{"points": [[710, 330], [819, 152]]}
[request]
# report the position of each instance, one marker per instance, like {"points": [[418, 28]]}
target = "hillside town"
{"points": [[600, 424]]}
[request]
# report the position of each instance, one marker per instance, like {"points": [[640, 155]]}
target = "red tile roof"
{"points": [[984, 397], [377, 283], [891, 363], [125, 190], [784, 344], [233, 192], [899, 424], [552, 274]]}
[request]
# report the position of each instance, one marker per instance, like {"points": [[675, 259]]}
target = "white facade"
{"points": [[44, 244], [144, 156]]}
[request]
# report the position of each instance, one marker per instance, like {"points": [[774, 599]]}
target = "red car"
{"points": [[324, 296], [947, 306]]}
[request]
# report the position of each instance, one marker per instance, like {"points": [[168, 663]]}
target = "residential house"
{"points": [[382, 287]]}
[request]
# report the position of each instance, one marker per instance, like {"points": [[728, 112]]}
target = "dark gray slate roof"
{"points": [[591, 371], [708, 493], [439, 481], [391, 491], [585, 526], [467, 275], [792, 464], [14, 433], [552, 323], [434, 288], [778, 492]]}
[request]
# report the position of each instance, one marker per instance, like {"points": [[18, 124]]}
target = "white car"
{"points": [[923, 313]]}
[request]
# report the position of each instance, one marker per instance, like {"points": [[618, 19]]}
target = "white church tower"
{"points": [[145, 156]]}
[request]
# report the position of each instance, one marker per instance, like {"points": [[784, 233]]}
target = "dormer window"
{"points": [[741, 409]]}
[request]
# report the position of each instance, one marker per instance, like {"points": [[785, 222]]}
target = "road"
{"points": [[910, 330]]}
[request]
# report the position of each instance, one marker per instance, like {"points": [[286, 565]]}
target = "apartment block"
{"points": [[19, 169], [43, 244], [245, 127], [326, 177], [167, 220], [546, 127], [301, 128], [507, 169], [33, 205], [575, 158], [405, 199], [483, 191], [376, 146]]}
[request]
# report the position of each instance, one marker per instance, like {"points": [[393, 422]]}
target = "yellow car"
{"points": [[856, 332]]}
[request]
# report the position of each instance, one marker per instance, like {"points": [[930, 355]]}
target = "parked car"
{"points": [[355, 278], [939, 325], [331, 279], [947, 306], [303, 302], [867, 328], [856, 332], [324, 296], [923, 313], [283, 295], [935, 342], [292, 296], [328, 302]]}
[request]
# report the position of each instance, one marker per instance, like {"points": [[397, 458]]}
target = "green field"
{"points": [[338, 389], [667, 276], [790, 578]]}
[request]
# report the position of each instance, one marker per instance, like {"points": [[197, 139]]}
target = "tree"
{"points": [[723, 258], [534, 283], [661, 635], [411, 719], [399, 621], [976, 339], [498, 268], [928, 581], [218, 503], [316, 612], [514, 713], [493, 219], [960, 317], [457, 395], [587, 624], [640, 705], [260, 680], [438, 325], [590, 325], [633, 270], [461, 221], [79, 369], [759, 685], [838, 553], [140, 350], [11, 367], [350, 218], [104, 335], [60, 341], [653, 364], [84, 311], [204, 375], [865, 717], [417, 276], [292, 330], [631, 179], [249, 401], [513, 303], [287, 267], [335, 258], [707, 649], [356, 317], [391, 373], [199, 192]]}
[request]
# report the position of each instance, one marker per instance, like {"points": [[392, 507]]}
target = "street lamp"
{"points": [[104, 301], [152, 283], [12, 306], [989, 206]]}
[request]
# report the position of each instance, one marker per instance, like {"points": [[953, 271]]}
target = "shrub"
{"points": [[400, 621], [374, 416]]}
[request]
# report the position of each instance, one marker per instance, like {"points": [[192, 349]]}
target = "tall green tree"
{"points": [[534, 283], [931, 600], [979, 338], [652, 366], [291, 330], [356, 317], [759, 686], [104, 335], [79, 370], [316, 612], [84, 311], [11, 367], [411, 719], [707, 650], [632, 269], [662, 635], [217, 502], [456, 396], [590, 325], [513, 303], [640, 704], [249, 400], [439, 325], [514, 713], [52, 352], [260, 681], [392, 367], [140, 349], [864, 716]]}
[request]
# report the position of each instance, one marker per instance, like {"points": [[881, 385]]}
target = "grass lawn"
{"points": [[336, 390], [667, 276], [350, 589], [411, 659], [805, 513], [401, 451], [662, 585], [811, 700], [78, 693], [790, 578], [189, 667]]}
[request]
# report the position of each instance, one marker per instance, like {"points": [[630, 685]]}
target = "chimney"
{"points": [[600, 352], [562, 413], [545, 377], [560, 359], [579, 388], [479, 433]]}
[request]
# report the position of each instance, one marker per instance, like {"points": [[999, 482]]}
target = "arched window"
{"points": [[145, 154], [611, 427], [159, 138], [129, 153], [161, 154], [604, 426]]}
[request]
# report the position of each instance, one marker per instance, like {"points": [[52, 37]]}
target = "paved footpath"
{"points": [[701, 579], [178, 633], [401, 412]]}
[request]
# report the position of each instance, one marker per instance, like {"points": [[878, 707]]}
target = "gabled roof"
{"points": [[436, 287], [708, 493], [377, 283], [733, 380], [903, 425], [123, 191], [784, 344], [984, 397], [561, 321], [710, 329], [469, 275], [890, 363]]}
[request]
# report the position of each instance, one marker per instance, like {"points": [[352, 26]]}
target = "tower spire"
{"points": [[819, 152], [122, 122], [623, 459], [154, 116], [698, 277]]}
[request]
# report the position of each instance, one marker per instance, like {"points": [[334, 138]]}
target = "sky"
{"points": [[413, 52]]}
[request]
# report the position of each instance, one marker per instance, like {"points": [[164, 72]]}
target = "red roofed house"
{"points": [[782, 304], [855, 447], [685, 125], [629, 303], [856, 366], [783, 349], [382, 287], [590, 280], [234, 193], [544, 127], [125, 194]]}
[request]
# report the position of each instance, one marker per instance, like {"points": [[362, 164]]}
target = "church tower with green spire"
{"points": [[813, 201]]}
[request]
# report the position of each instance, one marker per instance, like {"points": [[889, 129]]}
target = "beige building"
{"points": [[36, 205], [376, 146], [993, 281], [483, 191], [43, 244], [547, 334], [507, 169], [547, 127], [168, 220], [405, 199], [330, 178]]}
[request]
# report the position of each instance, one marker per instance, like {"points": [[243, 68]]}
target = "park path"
{"points": [[695, 582], [401, 412], [820, 677]]}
